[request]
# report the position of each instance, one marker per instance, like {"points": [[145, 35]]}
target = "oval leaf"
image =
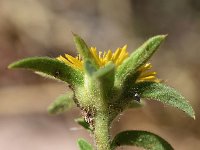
{"points": [[164, 94], [81, 121], [51, 67], [61, 104], [144, 139], [84, 145]]}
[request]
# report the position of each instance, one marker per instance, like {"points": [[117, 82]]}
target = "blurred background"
{"points": [[43, 28]]}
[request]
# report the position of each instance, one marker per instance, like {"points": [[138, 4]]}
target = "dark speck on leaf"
{"points": [[137, 97], [57, 73], [117, 143]]}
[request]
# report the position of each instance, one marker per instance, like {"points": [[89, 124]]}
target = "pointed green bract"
{"points": [[81, 121], [61, 104], [89, 68], [106, 72], [138, 58], [164, 94], [144, 139], [84, 145], [51, 67], [106, 77], [84, 50]]}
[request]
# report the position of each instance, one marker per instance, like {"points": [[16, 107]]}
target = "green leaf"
{"points": [[106, 76], [89, 68], [51, 67], [84, 51], [84, 145], [81, 121], [139, 57], [61, 104], [144, 139], [106, 72], [164, 94]]}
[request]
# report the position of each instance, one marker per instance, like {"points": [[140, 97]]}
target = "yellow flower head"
{"points": [[101, 59], [117, 58]]}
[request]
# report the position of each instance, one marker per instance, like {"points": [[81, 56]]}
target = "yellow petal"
{"points": [[152, 73], [123, 55], [61, 58], [145, 67], [75, 62], [116, 54], [108, 56], [94, 54]]}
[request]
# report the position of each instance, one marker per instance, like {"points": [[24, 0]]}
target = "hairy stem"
{"points": [[101, 114], [101, 131]]}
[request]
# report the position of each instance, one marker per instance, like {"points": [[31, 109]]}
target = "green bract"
{"points": [[84, 145], [61, 104], [102, 91]]}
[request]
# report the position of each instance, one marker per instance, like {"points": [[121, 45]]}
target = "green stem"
{"points": [[99, 101], [101, 131]]}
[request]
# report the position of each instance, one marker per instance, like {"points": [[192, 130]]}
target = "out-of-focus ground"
{"points": [[43, 28]]}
